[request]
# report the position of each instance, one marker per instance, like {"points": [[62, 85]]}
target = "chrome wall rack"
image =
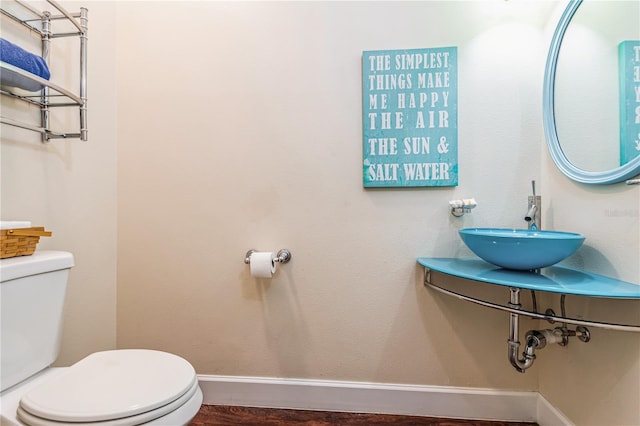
{"points": [[52, 95]]}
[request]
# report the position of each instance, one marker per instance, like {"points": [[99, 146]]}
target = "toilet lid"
{"points": [[110, 385]]}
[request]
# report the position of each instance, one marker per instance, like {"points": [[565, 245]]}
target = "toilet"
{"points": [[118, 387]]}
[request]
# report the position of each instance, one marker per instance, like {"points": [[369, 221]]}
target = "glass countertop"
{"points": [[554, 279]]}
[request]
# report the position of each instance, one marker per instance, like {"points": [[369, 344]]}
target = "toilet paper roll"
{"points": [[262, 264]]}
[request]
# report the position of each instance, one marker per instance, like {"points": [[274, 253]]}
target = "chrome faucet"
{"points": [[533, 209]]}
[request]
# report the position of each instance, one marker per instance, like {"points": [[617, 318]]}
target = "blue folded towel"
{"points": [[18, 57]]}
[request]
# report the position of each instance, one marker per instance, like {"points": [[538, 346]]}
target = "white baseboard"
{"points": [[431, 401], [548, 415]]}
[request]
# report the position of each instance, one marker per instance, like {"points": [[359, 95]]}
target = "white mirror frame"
{"points": [[619, 174]]}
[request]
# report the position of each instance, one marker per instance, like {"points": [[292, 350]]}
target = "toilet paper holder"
{"points": [[283, 256]]}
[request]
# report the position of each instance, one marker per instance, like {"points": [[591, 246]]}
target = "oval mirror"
{"points": [[582, 102]]}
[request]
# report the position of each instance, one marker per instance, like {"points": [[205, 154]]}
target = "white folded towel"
{"points": [[14, 224]]}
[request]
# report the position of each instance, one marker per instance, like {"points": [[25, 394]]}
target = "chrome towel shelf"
{"points": [[51, 95]]}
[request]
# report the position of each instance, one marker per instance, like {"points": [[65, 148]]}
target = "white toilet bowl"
{"points": [[120, 387]]}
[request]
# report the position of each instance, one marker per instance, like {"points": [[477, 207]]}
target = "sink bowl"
{"points": [[521, 249]]}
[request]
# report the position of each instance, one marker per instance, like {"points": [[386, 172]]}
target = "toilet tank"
{"points": [[32, 291]]}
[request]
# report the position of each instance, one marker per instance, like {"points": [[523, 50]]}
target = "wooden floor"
{"points": [[248, 416]]}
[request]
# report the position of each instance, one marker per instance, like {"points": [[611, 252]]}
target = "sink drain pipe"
{"points": [[534, 339], [514, 344]]}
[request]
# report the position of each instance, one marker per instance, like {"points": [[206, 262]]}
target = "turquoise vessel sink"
{"points": [[521, 249]]}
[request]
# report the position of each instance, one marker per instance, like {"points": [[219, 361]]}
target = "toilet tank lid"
{"points": [[40, 262]]}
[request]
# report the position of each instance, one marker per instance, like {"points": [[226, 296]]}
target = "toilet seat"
{"points": [[121, 387]]}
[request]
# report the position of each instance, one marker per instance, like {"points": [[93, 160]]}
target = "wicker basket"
{"points": [[20, 241]]}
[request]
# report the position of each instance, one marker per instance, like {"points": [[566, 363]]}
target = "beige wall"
{"points": [[240, 128], [258, 145], [599, 382], [69, 186]]}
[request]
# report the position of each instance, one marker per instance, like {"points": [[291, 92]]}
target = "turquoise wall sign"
{"points": [[410, 117], [629, 54]]}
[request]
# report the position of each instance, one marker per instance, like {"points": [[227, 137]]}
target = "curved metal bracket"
{"points": [[247, 257], [548, 317]]}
